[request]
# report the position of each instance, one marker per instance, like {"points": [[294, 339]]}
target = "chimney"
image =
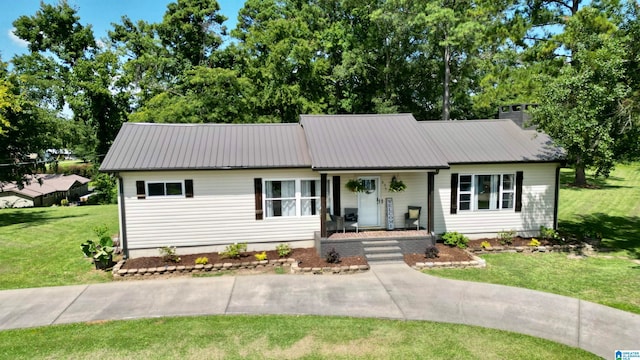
{"points": [[518, 113]]}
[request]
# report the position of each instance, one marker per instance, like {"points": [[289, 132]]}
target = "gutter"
{"points": [[123, 217]]}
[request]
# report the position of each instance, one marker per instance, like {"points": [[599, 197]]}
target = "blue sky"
{"points": [[99, 13]]}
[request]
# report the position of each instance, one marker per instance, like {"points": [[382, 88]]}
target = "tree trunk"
{"points": [[580, 179], [447, 78]]}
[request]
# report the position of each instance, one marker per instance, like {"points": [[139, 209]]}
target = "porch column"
{"points": [[430, 195], [323, 205]]}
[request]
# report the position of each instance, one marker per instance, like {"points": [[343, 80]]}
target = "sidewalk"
{"points": [[387, 291]]}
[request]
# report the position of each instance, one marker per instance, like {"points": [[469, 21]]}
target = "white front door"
{"points": [[368, 209]]}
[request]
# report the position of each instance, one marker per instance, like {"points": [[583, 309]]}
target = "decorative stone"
{"points": [[180, 268], [429, 264], [132, 271], [306, 269], [344, 268], [335, 270], [171, 268], [326, 269], [263, 262], [199, 267], [519, 249], [227, 265], [208, 267], [291, 260], [218, 265], [315, 269], [122, 272], [188, 267], [542, 249], [353, 267], [363, 267]]}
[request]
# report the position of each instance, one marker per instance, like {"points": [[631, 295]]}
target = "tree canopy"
{"points": [[438, 59]]}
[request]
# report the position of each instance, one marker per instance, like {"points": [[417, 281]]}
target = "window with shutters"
{"points": [[486, 192], [291, 197], [156, 189]]}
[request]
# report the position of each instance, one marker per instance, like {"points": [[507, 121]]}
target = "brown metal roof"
{"points": [[142, 146], [489, 141], [41, 184], [393, 141]]}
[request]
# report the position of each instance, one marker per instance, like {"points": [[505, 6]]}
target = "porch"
{"points": [[376, 245]]}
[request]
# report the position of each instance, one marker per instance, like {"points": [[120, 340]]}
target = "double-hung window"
{"points": [[291, 197], [164, 188], [486, 192]]}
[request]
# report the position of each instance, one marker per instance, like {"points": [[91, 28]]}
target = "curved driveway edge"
{"points": [[391, 291]]}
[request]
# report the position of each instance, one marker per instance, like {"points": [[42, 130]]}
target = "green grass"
{"points": [[610, 208], [276, 337], [41, 246], [612, 282]]}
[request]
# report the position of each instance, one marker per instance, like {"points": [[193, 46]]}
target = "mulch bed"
{"points": [[446, 253], [306, 257], [495, 242]]}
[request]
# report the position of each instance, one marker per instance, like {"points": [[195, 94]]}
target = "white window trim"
{"points": [[149, 196], [298, 197], [501, 192]]}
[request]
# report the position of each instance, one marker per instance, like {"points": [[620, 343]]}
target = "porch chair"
{"points": [[334, 222], [412, 217], [351, 217]]}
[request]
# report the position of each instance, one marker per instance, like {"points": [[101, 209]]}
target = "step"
{"points": [[380, 243], [384, 257], [377, 249]]}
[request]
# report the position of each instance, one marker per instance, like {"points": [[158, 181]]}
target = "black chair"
{"points": [[351, 217], [412, 217]]}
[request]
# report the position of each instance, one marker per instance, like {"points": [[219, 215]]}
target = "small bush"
{"points": [[283, 250], [64, 202], [202, 260], [455, 239], [333, 257], [261, 256], [234, 251], [534, 242], [506, 237], [168, 254], [548, 233], [431, 252], [485, 244]]}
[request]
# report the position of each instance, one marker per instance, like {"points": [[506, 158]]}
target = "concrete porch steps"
{"points": [[382, 251]]}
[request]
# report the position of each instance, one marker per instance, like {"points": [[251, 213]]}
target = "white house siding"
{"points": [[538, 196], [416, 194], [11, 199], [221, 212]]}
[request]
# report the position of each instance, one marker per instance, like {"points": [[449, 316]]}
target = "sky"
{"points": [[98, 13]]}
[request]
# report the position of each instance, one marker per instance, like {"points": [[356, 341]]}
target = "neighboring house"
{"points": [[204, 186], [43, 190]]}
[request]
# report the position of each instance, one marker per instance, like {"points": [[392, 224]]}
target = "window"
{"points": [[486, 192], [291, 198], [173, 188]]}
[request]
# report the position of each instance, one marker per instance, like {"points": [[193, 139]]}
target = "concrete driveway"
{"points": [[387, 291]]}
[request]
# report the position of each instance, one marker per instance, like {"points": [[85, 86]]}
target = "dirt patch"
{"points": [[446, 254], [306, 257]]}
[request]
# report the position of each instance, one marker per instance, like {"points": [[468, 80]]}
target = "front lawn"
{"points": [[610, 208], [41, 246], [276, 337]]}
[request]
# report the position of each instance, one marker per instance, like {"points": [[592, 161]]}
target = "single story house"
{"points": [[200, 187], [43, 190]]}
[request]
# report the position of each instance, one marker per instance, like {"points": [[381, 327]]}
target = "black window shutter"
{"points": [[140, 189], [257, 185], [188, 188], [519, 176], [454, 194], [336, 195]]}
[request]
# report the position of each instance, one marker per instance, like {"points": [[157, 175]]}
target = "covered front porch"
{"points": [[376, 205]]}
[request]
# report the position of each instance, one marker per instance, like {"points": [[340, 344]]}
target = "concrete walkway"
{"points": [[387, 291]]}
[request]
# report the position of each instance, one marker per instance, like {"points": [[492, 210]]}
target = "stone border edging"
{"points": [[118, 272], [580, 248], [475, 263]]}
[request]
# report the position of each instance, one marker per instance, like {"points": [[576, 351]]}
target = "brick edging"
{"points": [[118, 272]]}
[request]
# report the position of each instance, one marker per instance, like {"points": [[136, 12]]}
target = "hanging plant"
{"points": [[355, 185], [397, 185]]}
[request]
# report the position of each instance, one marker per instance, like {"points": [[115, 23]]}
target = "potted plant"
{"points": [[355, 185], [397, 185]]}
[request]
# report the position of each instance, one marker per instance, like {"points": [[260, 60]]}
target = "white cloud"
{"points": [[16, 40]]}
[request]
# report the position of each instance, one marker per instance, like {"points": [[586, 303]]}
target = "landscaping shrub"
{"points": [[485, 244], [454, 238], [333, 257], [506, 237], [168, 253], [548, 233], [431, 252], [202, 260], [261, 256], [233, 251], [534, 242], [283, 250]]}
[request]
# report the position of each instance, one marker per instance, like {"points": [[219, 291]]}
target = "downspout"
{"points": [[123, 218], [555, 199]]}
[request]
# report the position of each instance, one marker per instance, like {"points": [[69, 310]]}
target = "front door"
{"points": [[368, 209]]}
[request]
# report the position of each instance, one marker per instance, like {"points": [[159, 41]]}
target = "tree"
{"points": [[578, 108]]}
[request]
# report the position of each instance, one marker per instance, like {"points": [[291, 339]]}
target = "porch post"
{"points": [[323, 205], [430, 194]]}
